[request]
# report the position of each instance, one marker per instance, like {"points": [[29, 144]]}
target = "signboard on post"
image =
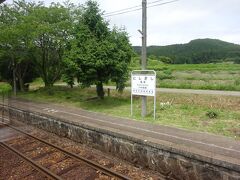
{"points": [[143, 83]]}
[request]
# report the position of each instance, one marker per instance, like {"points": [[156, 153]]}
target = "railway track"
{"points": [[35, 166], [53, 161]]}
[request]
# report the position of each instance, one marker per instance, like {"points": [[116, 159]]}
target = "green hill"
{"points": [[196, 51]]}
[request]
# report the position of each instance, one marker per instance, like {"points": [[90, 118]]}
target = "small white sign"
{"points": [[143, 84]]}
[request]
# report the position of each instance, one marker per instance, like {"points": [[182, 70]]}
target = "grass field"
{"points": [[214, 114], [223, 76]]}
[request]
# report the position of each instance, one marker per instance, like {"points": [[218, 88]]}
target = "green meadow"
{"points": [[222, 76]]}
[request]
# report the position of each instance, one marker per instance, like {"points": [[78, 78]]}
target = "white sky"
{"points": [[178, 22]]}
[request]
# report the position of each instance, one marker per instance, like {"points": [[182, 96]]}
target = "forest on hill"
{"points": [[195, 52]]}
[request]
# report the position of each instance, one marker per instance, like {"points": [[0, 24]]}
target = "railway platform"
{"points": [[174, 152]]}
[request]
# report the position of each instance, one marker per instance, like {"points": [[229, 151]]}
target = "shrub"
{"points": [[5, 88], [212, 114], [166, 60], [154, 63], [165, 105], [237, 82], [165, 74]]}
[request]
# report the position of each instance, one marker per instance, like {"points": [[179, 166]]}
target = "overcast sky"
{"points": [[178, 22]]}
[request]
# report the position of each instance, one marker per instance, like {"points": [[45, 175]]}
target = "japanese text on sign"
{"points": [[143, 85]]}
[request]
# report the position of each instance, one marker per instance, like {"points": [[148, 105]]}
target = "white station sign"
{"points": [[143, 84]]}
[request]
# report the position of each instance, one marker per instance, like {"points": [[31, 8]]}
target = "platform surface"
{"points": [[204, 144]]}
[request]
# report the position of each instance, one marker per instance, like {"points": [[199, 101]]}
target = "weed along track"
{"points": [[52, 161]]}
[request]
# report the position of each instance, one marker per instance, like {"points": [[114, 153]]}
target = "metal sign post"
{"points": [[143, 83]]}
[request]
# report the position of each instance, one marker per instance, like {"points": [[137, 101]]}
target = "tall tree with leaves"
{"points": [[15, 36], [98, 54], [52, 26]]}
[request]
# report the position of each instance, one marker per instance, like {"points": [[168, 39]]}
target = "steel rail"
{"points": [[90, 163], [35, 165]]}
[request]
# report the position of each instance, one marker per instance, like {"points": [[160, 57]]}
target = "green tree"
{"points": [[98, 54], [236, 60], [33, 39], [52, 32], [15, 34], [166, 60]]}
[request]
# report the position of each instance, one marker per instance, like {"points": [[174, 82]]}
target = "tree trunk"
{"points": [[48, 84], [21, 84], [100, 91], [14, 77], [3, 107]]}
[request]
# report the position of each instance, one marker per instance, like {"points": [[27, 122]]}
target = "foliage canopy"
{"points": [[104, 55], [61, 41]]}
